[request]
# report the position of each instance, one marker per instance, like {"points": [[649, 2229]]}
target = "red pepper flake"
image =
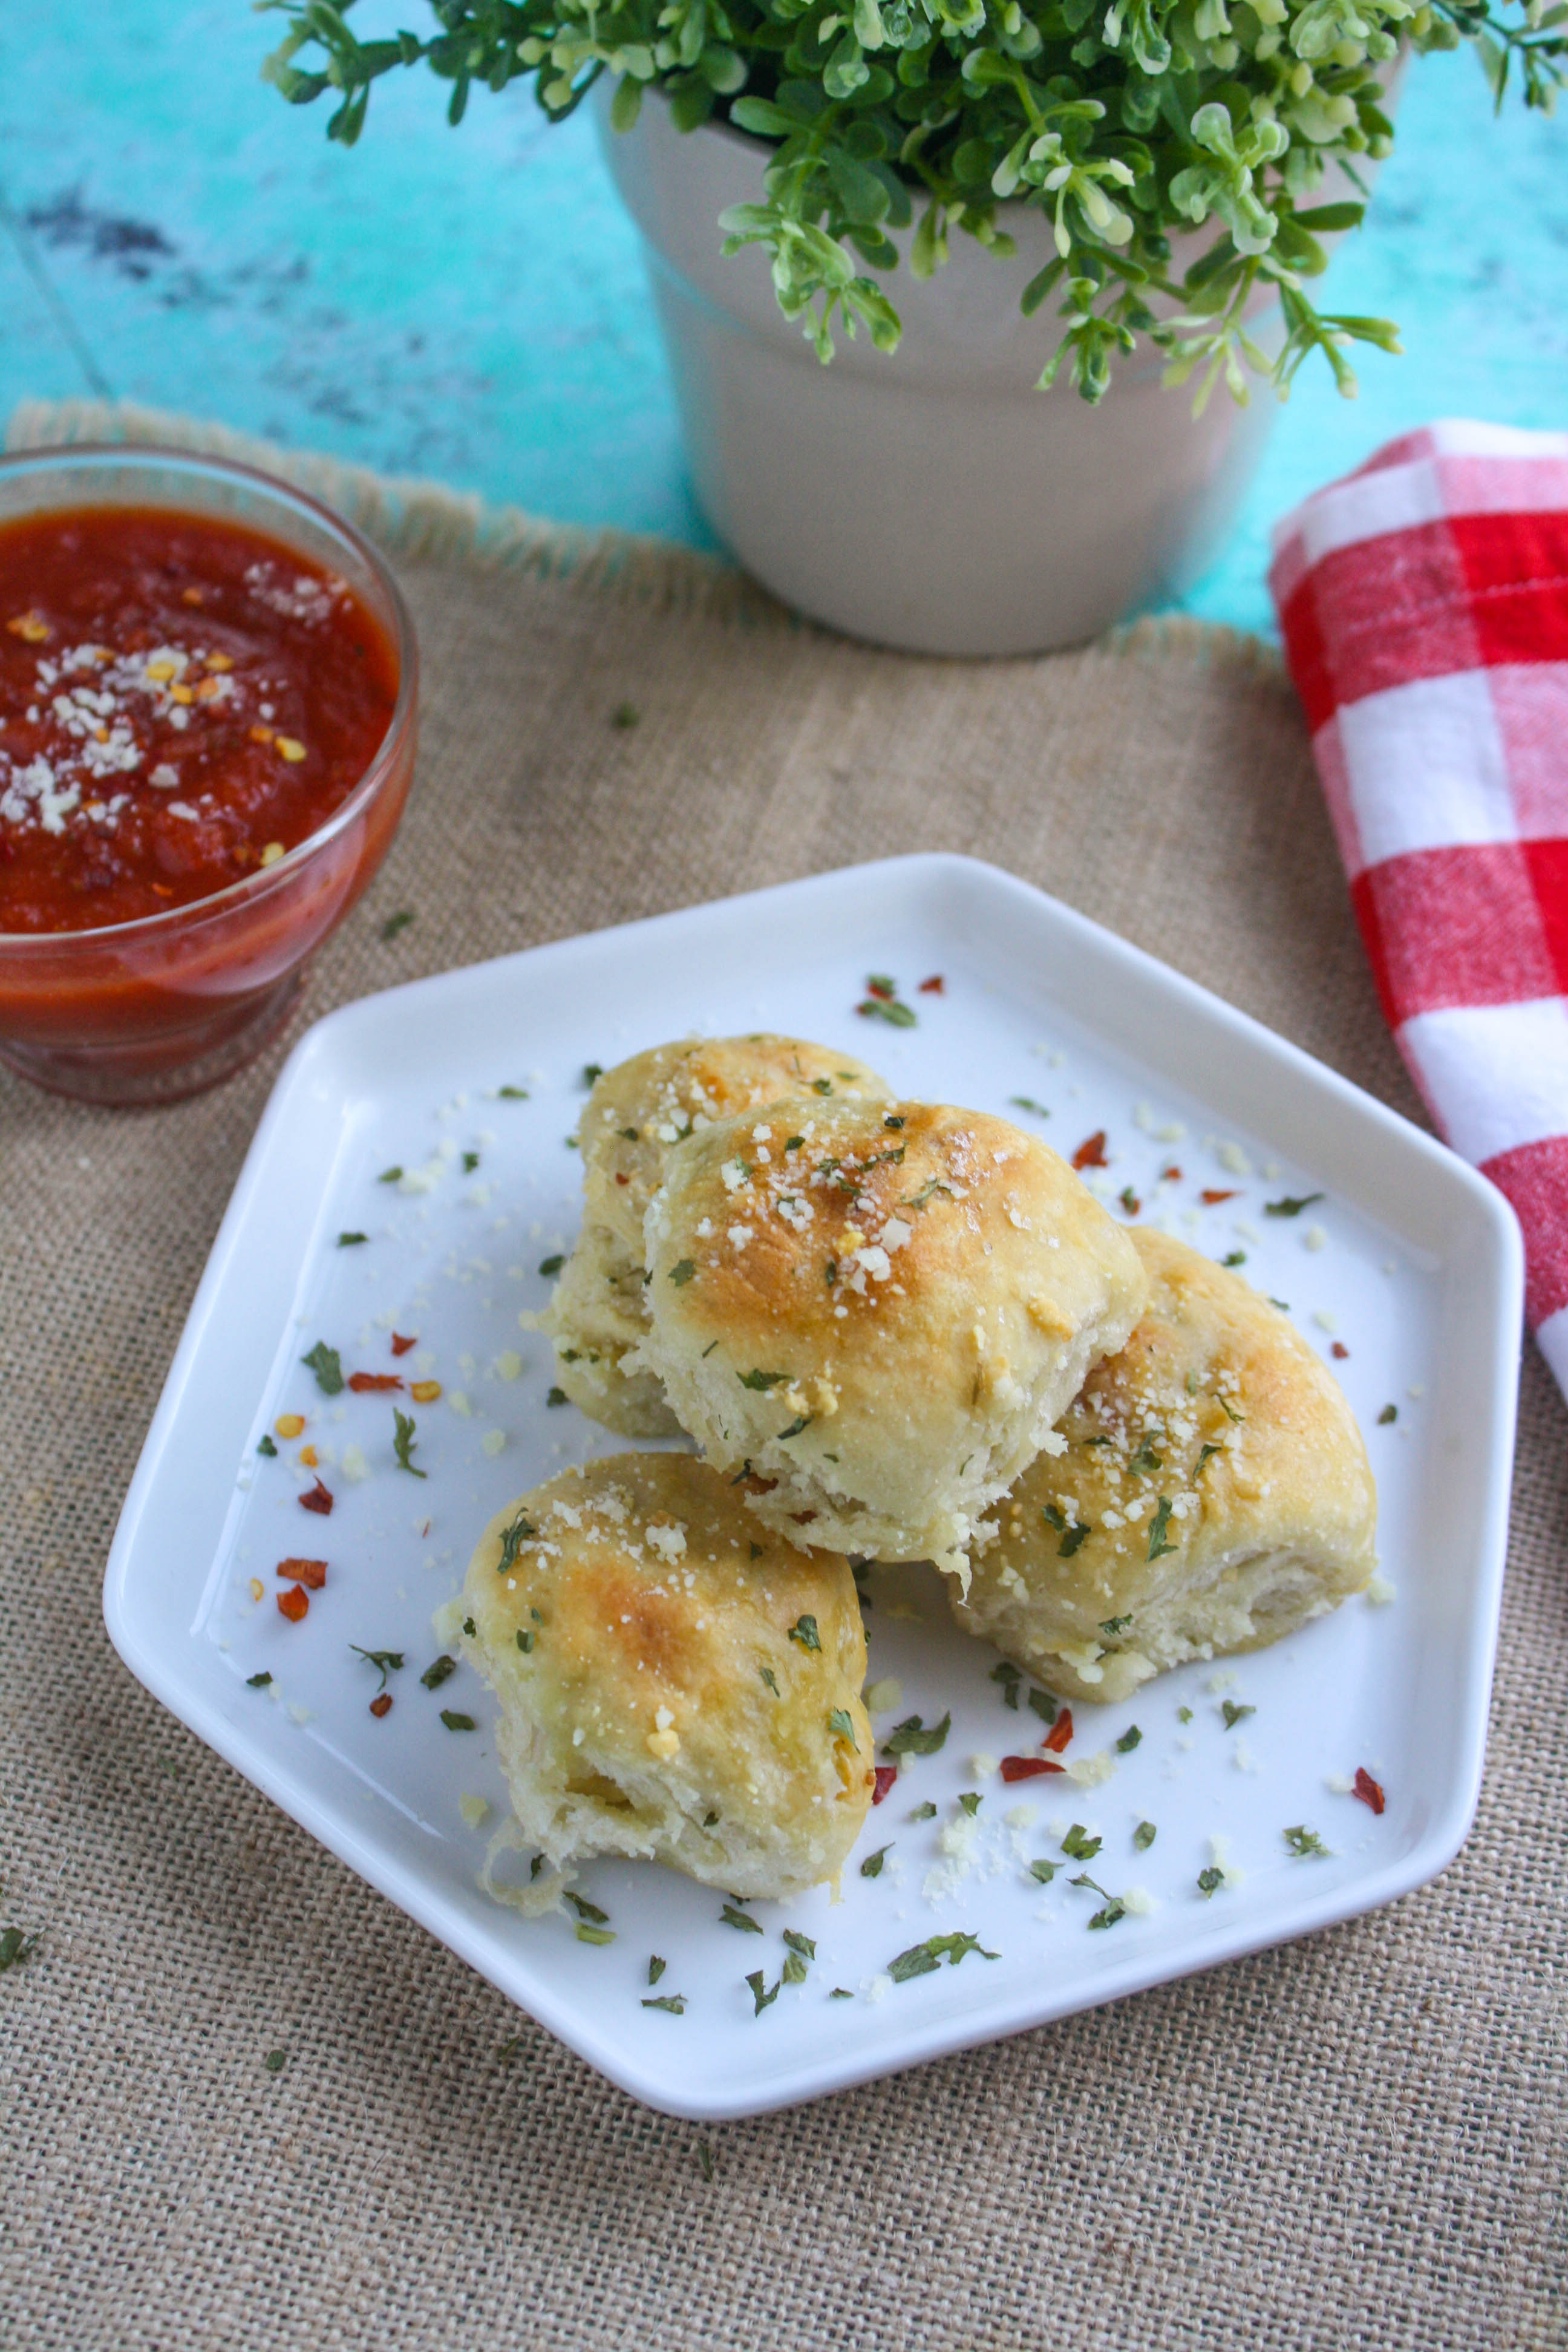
{"points": [[885, 1775], [1212, 1199], [372, 1383], [1028, 1768], [880, 990], [1339, 1351], [312, 1572], [1090, 1153], [318, 1500], [1170, 1175], [934, 986], [1367, 1789], [1060, 1732], [294, 1603], [620, 1178], [400, 1346], [381, 1705]]}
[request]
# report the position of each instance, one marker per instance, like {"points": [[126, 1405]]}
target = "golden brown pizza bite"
{"points": [[880, 1308], [1213, 1496], [634, 1115], [643, 1107], [671, 1680], [594, 1315]]}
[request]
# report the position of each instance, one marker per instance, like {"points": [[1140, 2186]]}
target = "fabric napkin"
{"points": [[1424, 602]]}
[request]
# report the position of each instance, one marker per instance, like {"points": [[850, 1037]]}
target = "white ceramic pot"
{"points": [[931, 500]]}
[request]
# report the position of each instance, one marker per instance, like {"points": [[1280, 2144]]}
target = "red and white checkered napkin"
{"points": [[1424, 602]]}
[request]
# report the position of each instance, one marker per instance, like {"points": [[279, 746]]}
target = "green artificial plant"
{"points": [[1129, 123]]}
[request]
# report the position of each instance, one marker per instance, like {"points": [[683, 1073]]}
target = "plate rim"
{"points": [[798, 2081]]}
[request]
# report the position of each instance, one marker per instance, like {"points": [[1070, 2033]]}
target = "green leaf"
{"points": [[403, 1441], [911, 1738], [324, 1362], [861, 194], [1304, 1843], [922, 1960], [804, 1630], [842, 1726], [742, 1920]]}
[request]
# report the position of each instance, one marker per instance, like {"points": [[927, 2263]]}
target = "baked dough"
{"points": [[880, 1308], [595, 1317], [638, 1110], [1216, 1441], [634, 1115], [671, 1682]]}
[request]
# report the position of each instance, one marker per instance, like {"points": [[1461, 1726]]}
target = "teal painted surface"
{"points": [[470, 305]]}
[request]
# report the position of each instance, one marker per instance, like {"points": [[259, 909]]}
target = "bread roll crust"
{"points": [[687, 1688], [1215, 1441], [596, 1318], [643, 1107], [881, 1308]]}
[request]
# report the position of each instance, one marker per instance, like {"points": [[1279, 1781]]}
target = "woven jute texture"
{"points": [[1355, 2141]]}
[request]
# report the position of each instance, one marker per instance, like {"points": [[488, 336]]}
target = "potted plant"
{"points": [[931, 271]]}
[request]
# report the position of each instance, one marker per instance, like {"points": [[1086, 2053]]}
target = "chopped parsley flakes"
{"points": [[1303, 1842], [324, 1362], [922, 1960], [804, 1630], [403, 1441], [911, 1738], [385, 1662]]}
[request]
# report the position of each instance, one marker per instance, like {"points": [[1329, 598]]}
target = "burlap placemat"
{"points": [[1358, 2140]]}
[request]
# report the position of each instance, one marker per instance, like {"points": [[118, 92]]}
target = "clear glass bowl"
{"points": [[151, 1011]]}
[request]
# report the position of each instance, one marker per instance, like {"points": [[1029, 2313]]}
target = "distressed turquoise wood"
{"points": [[470, 305]]}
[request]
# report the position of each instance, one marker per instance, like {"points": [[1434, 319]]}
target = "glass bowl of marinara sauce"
{"points": [[208, 687]]}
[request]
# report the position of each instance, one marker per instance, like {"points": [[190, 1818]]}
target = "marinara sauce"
{"points": [[181, 701]]}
